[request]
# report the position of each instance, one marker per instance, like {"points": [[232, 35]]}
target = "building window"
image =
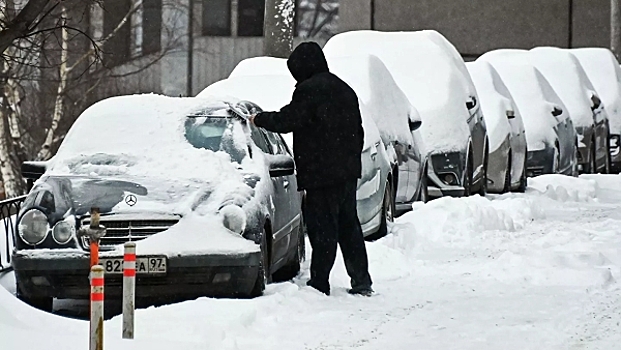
{"points": [[251, 15], [116, 49], [152, 26], [217, 17]]}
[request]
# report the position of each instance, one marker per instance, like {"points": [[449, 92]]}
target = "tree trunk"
{"points": [[9, 162], [278, 28], [63, 73], [615, 27]]}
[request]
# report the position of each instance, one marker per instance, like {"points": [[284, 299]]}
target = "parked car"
{"points": [[429, 77], [210, 200], [397, 120], [375, 200], [564, 72], [603, 70], [505, 129], [550, 134]]}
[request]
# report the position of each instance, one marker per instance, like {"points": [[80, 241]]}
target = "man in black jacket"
{"points": [[327, 144]]}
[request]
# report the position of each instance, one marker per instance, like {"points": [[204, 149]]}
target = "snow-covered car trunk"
{"points": [[566, 75], [603, 70], [505, 129], [200, 190], [430, 79], [550, 134]]}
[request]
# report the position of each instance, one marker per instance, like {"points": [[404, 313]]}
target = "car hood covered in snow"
{"points": [[603, 70], [532, 93], [496, 100], [425, 72]]}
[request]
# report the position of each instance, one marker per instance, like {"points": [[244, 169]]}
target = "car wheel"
{"points": [[468, 177], [291, 270], [264, 276], [388, 210], [483, 185], [523, 178], [423, 195], [43, 304], [507, 187]]}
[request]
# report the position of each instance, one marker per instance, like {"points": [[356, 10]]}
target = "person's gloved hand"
{"points": [[251, 119]]}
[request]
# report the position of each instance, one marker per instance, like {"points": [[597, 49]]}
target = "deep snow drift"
{"points": [[516, 271]]}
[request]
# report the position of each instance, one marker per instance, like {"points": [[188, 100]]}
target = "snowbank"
{"points": [[532, 93], [564, 188], [385, 103], [564, 72], [604, 72], [496, 100], [425, 72]]}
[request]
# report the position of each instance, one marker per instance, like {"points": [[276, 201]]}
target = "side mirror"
{"points": [[510, 114], [415, 124], [471, 103], [595, 102], [557, 111], [33, 170], [281, 166]]}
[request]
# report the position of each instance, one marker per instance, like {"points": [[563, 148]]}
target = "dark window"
{"points": [[152, 26], [217, 17], [117, 48], [251, 14], [259, 139]]}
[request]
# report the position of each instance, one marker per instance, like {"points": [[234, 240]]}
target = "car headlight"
{"points": [[33, 227], [63, 232], [234, 218]]}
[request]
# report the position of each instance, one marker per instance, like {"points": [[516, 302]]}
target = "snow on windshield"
{"points": [[604, 72], [496, 100], [564, 72], [426, 74], [386, 104], [532, 93]]}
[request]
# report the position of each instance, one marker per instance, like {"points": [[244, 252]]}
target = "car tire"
{"points": [[388, 211], [264, 276], [483, 185], [468, 177], [423, 195], [507, 186], [43, 304], [291, 270], [523, 178]]}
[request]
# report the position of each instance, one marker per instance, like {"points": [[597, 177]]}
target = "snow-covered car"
{"points": [[603, 70], [505, 129], [567, 77], [550, 134], [374, 198], [453, 129], [210, 200], [397, 120]]}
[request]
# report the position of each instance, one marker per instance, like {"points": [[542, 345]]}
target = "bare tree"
{"points": [[279, 15], [317, 18]]}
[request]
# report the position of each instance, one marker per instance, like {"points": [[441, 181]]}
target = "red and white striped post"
{"points": [[129, 289], [97, 308]]}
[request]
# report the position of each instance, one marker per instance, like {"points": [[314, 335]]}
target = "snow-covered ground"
{"points": [[517, 271]]}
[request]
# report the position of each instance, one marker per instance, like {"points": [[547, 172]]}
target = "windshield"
{"points": [[217, 134]]}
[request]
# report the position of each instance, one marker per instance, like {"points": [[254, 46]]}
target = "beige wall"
{"points": [[477, 26]]}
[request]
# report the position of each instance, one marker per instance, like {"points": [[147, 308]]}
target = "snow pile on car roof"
{"points": [[496, 100], [427, 75], [384, 101], [260, 66], [564, 72], [604, 72], [532, 93]]}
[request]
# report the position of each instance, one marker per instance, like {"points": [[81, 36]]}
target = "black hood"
{"points": [[307, 60]]}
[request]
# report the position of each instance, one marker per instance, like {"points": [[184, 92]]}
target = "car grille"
{"points": [[121, 231]]}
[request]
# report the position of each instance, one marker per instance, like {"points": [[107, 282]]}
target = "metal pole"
{"points": [[615, 27], [97, 308], [129, 289], [190, 78], [570, 32]]}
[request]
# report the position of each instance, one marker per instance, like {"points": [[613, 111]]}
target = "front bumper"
{"points": [[540, 162], [443, 165], [66, 277]]}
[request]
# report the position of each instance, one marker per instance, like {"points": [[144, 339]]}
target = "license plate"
{"points": [[152, 265]]}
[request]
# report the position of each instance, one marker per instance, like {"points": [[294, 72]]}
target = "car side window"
{"points": [[274, 141], [259, 139], [284, 145]]}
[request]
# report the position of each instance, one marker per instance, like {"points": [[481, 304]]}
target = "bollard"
{"points": [[129, 289], [97, 308]]}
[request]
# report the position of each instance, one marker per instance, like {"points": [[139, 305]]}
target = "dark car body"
{"points": [[135, 208]]}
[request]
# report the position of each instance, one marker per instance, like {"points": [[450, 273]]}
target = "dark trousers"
{"points": [[331, 219]]}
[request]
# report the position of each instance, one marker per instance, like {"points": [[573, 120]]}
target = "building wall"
{"points": [[477, 26]]}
